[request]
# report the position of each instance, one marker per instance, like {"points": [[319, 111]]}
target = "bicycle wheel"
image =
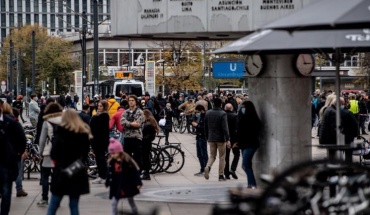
{"points": [[176, 159], [182, 125], [313, 188], [175, 124], [166, 160], [156, 160]]}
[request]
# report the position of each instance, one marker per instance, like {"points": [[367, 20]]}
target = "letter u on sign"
{"points": [[233, 69]]}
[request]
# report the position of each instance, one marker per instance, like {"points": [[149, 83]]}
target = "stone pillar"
{"points": [[282, 100]]}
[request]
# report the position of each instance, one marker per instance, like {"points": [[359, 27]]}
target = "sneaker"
{"points": [[199, 174], [206, 172], [98, 181], [227, 177], [21, 193], [221, 178], [42, 203], [233, 174]]}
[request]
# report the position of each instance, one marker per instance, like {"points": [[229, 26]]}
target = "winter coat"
{"points": [[123, 178], [127, 118], [46, 137], [216, 128], [200, 127], [148, 132], [68, 147], [113, 106], [232, 123], [99, 125], [327, 131], [34, 110], [116, 120], [168, 113], [85, 117], [248, 132], [12, 144]]}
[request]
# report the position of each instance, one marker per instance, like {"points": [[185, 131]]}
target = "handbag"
{"points": [[74, 168]]}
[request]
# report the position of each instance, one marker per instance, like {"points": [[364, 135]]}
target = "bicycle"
{"points": [[168, 158]]}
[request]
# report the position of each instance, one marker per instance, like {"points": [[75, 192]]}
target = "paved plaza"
{"points": [[181, 193]]}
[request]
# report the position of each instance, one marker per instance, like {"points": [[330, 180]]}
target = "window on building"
{"points": [[61, 23], [68, 6], [44, 20], [3, 33], [52, 6], [20, 20], [77, 21], [44, 6], [77, 7], [11, 20], [28, 19], [69, 22], [3, 6], [52, 22], [28, 6], [11, 6], [19, 5], [36, 6], [108, 6], [100, 10], [60, 6], [84, 5], [36, 18], [3, 20]]}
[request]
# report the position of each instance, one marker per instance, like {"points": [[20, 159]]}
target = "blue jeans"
{"points": [[55, 203], [46, 173], [202, 153], [247, 165], [6, 190], [18, 181]]}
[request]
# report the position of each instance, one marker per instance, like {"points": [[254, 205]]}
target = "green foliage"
{"points": [[53, 57]]}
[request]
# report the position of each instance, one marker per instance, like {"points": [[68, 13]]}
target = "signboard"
{"points": [[150, 77], [123, 75], [228, 68], [78, 88]]}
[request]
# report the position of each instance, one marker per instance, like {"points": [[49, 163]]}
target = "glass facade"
{"points": [[28, 6], [19, 5], [3, 5], [36, 6], [36, 18]]}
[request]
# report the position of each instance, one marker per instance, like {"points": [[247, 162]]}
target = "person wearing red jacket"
{"points": [[115, 121]]}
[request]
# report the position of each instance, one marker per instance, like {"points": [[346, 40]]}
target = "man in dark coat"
{"points": [[217, 134], [232, 122], [12, 146], [201, 141]]}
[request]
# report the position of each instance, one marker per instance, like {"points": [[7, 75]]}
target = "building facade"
{"points": [[59, 16]]}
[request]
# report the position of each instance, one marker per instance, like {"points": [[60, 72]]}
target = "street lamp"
{"points": [[161, 61]]}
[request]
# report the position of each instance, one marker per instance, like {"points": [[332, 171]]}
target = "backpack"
{"points": [[50, 138]]}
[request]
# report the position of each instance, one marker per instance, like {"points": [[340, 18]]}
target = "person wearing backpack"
{"points": [[113, 106], [12, 146], [52, 118]]}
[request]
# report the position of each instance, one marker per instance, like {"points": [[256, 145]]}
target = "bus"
{"points": [[105, 88], [124, 83]]}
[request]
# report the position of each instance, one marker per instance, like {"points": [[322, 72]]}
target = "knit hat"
{"points": [[114, 146]]}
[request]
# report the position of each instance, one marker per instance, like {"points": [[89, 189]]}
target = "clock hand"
{"points": [[306, 63], [255, 65]]}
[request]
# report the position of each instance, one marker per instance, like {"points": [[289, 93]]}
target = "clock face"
{"points": [[253, 65], [305, 64]]}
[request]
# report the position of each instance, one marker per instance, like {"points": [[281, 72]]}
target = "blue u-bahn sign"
{"points": [[228, 68]]}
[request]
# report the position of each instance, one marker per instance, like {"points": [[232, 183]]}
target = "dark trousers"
{"points": [[45, 174], [202, 153], [6, 190], [147, 146], [234, 163], [101, 162], [133, 147], [362, 123]]}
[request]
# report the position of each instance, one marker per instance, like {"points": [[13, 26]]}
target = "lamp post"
{"points": [[161, 61]]}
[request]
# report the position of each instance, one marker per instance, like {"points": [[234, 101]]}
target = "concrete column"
{"points": [[282, 100]]}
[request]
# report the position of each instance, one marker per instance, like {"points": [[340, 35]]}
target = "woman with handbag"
{"points": [[70, 146], [165, 121]]}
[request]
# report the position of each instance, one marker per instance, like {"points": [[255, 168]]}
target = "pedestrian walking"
{"points": [[52, 118], [167, 114], [70, 145], [34, 110], [18, 103], [217, 134], [13, 144], [99, 125], [232, 123], [123, 177], [248, 133], [201, 142]]}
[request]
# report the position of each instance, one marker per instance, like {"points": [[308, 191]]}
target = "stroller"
{"points": [[363, 152]]}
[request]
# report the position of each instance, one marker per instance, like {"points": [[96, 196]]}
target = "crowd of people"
{"points": [[228, 123]]}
